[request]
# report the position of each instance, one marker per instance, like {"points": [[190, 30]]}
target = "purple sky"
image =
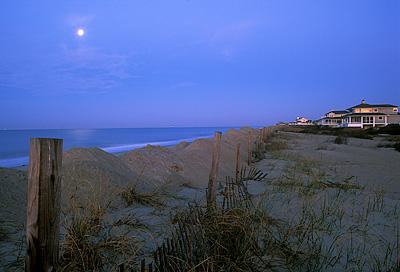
{"points": [[193, 63]]}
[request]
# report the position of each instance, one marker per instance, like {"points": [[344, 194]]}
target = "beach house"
{"points": [[371, 115], [333, 118], [301, 121]]}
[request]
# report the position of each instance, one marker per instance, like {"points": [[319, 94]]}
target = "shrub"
{"points": [[340, 140], [392, 129], [396, 146]]}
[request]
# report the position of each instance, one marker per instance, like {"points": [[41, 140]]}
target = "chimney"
{"points": [[363, 101]]}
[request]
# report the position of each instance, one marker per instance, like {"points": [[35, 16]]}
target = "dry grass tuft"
{"points": [[232, 241], [132, 195], [94, 241]]}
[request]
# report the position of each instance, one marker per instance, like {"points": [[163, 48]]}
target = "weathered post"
{"points": [[238, 163], [43, 211], [266, 130], [249, 150], [264, 134], [212, 181]]}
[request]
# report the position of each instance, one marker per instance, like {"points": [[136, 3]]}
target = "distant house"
{"points": [[368, 115], [301, 121], [333, 118]]}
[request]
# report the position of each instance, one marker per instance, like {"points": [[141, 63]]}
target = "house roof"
{"points": [[338, 112], [332, 118], [364, 105], [368, 114]]}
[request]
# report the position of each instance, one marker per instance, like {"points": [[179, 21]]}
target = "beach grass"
{"points": [[94, 239], [309, 218], [327, 221], [131, 195]]}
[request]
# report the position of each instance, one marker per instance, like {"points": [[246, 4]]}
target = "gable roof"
{"points": [[364, 106], [338, 112]]}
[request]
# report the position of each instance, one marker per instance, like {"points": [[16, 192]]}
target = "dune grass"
{"points": [[94, 239], [327, 221], [131, 195], [310, 218]]}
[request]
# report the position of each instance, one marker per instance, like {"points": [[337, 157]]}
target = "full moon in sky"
{"points": [[81, 32]]}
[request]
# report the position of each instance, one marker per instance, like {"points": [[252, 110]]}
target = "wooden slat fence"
{"points": [[187, 248]]}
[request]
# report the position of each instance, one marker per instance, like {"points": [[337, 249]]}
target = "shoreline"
{"points": [[114, 141]]}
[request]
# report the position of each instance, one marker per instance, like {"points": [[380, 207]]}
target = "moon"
{"points": [[81, 32]]}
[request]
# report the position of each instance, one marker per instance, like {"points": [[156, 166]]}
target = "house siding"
{"points": [[380, 121], [394, 119], [385, 110]]}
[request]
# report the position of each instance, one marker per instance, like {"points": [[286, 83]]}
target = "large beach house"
{"points": [[363, 115]]}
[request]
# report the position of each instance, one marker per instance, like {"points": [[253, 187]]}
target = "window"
{"points": [[357, 110], [380, 118], [368, 120], [396, 109], [375, 110], [366, 110]]}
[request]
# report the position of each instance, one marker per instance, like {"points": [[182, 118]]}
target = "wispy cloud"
{"points": [[83, 70], [66, 69]]}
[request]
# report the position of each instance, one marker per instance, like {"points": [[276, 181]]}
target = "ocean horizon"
{"points": [[14, 144]]}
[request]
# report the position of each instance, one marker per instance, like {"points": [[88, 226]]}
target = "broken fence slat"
{"points": [[143, 266]]}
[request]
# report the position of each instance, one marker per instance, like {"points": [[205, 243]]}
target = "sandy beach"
{"points": [[360, 159], [179, 175]]}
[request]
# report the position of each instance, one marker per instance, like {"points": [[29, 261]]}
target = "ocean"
{"points": [[14, 144]]}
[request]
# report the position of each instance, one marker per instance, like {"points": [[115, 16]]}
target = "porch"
{"points": [[365, 121]]}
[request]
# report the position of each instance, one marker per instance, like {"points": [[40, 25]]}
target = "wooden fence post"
{"points": [[238, 162], [43, 211], [266, 132], [212, 181], [263, 134], [249, 150]]}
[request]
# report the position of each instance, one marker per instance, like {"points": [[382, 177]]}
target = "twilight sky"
{"points": [[193, 63]]}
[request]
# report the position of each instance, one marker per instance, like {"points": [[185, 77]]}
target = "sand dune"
{"points": [[92, 171]]}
